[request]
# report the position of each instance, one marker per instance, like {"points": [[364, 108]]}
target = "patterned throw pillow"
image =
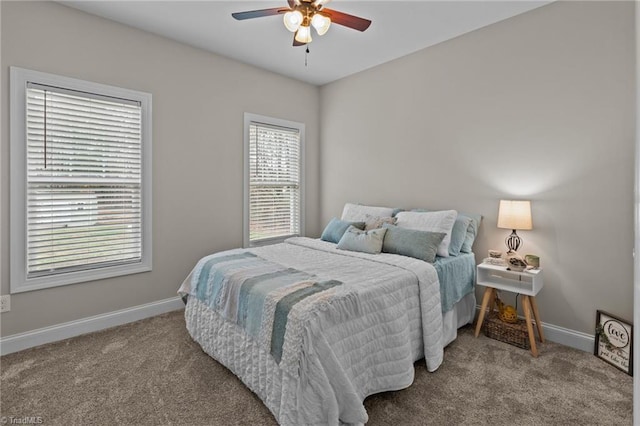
{"points": [[363, 241], [375, 222]]}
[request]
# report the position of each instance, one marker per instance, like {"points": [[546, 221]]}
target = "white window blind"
{"points": [[274, 182], [80, 187], [84, 180]]}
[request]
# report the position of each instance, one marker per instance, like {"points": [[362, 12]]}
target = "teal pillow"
{"points": [[336, 228], [355, 239], [459, 234], [472, 231], [421, 245]]}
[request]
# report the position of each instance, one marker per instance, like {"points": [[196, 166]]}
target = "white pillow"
{"points": [[358, 212], [440, 221]]}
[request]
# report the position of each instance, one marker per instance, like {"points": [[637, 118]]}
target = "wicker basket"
{"points": [[514, 334]]}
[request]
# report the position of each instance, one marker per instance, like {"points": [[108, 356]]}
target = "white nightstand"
{"points": [[527, 284]]}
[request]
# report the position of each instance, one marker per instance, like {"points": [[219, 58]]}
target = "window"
{"points": [[80, 181], [274, 196]]}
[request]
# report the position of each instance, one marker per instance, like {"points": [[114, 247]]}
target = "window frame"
{"points": [[19, 280], [271, 121]]}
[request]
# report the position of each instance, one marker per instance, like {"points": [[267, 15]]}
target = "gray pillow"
{"points": [[421, 245], [355, 239], [336, 228]]}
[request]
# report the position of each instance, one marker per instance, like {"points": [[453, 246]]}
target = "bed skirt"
{"points": [[291, 401]]}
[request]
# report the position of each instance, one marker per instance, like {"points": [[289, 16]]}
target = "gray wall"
{"points": [[539, 107], [198, 105]]}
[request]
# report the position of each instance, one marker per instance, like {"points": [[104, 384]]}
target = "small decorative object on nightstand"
{"points": [[527, 284], [516, 262]]}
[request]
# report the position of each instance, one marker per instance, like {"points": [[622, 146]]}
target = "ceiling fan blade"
{"points": [[259, 13], [347, 20], [293, 3], [296, 43]]}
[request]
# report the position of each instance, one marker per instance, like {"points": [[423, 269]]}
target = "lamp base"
{"points": [[513, 241]]}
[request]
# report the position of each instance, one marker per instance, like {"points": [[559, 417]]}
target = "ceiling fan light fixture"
{"points": [[303, 35], [321, 23], [293, 20], [301, 15]]}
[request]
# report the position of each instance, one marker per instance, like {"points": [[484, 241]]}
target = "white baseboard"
{"points": [[564, 336], [568, 337], [29, 339], [41, 336]]}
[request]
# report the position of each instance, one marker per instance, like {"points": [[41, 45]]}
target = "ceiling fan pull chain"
{"points": [[306, 52]]}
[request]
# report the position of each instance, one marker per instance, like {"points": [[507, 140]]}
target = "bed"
{"points": [[313, 329]]}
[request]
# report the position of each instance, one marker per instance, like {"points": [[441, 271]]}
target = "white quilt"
{"points": [[350, 350]]}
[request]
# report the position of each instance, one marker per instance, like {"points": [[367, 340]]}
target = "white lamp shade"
{"points": [[304, 34], [293, 20], [321, 23], [515, 214]]}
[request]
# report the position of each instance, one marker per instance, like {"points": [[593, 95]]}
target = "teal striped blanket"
{"points": [[256, 294]]}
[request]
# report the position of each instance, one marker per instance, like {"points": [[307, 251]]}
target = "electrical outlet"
{"points": [[5, 303]]}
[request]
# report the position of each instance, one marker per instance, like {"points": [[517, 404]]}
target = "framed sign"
{"points": [[614, 341]]}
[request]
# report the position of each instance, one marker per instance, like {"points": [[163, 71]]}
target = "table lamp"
{"points": [[514, 214]]}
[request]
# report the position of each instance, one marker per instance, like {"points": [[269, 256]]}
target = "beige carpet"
{"points": [[152, 373]]}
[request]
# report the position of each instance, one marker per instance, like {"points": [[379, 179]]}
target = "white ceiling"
{"points": [[398, 28]]}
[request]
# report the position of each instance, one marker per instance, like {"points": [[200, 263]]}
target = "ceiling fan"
{"points": [[301, 15]]}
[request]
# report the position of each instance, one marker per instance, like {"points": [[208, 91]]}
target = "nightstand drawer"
{"points": [[498, 277]]}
